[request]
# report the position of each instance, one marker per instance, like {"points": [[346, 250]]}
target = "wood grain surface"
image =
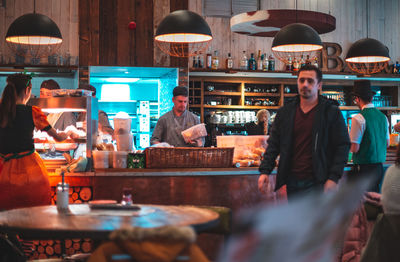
{"points": [[45, 222]]}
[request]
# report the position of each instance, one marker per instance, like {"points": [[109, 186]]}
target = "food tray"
{"points": [[181, 157]]}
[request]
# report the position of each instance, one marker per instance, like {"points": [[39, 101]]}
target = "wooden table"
{"points": [[45, 222]]}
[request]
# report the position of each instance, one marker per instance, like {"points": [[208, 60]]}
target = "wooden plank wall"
{"points": [[351, 25], [105, 38], [63, 13]]}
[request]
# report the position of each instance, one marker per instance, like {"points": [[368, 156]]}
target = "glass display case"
{"points": [[53, 152]]}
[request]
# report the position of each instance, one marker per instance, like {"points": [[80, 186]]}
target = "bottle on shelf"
{"points": [[252, 62], [271, 63], [308, 61], [243, 61], [302, 61], [259, 60], [200, 61], [229, 62], [289, 65], [208, 59], [215, 61], [296, 64], [265, 63], [195, 64], [396, 68], [315, 62]]}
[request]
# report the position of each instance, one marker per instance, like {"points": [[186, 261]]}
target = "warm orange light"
{"points": [[368, 59], [183, 38], [34, 40], [296, 48]]}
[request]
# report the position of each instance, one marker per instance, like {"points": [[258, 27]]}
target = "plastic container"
{"points": [[122, 124], [124, 142], [120, 159], [101, 159]]}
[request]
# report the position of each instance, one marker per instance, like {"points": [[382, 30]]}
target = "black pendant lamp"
{"points": [[296, 40], [367, 56], [183, 33], [34, 35]]}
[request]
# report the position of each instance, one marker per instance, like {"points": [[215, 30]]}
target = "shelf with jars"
{"points": [[243, 90]]}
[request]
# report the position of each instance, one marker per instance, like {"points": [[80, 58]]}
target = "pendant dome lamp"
{"points": [[296, 40], [183, 33], [367, 56], [34, 35]]}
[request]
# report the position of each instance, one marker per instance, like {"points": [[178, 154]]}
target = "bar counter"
{"points": [[230, 187]]}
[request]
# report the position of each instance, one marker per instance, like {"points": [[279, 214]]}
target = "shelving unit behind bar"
{"points": [[248, 90]]}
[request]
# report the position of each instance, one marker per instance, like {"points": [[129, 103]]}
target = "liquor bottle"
{"points": [[252, 62], [243, 62], [395, 68], [289, 65], [315, 62], [208, 59], [215, 61], [200, 61], [229, 62], [308, 61], [271, 63], [259, 60], [296, 64], [302, 61], [265, 63], [195, 64]]}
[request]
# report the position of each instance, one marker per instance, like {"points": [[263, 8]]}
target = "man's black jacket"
{"points": [[330, 142]]}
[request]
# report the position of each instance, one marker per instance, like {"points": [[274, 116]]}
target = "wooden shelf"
{"points": [[194, 105], [219, 93], [290, 95], [261, 94]]}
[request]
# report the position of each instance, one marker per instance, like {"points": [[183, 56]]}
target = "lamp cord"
{"points": [[367, 16], [295, 6], [34, 6]]}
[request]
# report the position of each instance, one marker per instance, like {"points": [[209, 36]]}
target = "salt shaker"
{"points": [[62, 195], [126, 196]]}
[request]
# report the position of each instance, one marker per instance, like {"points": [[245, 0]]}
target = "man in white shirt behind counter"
{"points": [[171, 124], [369, 136]]}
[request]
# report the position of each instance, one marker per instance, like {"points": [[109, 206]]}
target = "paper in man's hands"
{"points": [[195, 132]]}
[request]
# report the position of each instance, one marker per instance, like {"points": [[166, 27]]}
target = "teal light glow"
{"points": [[115, 92], [114, 79]]}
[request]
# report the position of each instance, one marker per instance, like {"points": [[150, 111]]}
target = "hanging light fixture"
{"points": [[34, 35], [296, 40], [367, 56], [182, 33]]}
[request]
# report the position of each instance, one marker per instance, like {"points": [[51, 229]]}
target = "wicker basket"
{"points": [[169, 157]]}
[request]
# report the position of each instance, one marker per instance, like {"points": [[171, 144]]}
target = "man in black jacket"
{"points": [[310, 136]]}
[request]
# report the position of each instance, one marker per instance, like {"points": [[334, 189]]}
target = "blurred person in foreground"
{"points": [[261, 126], [383, 242], [170, 125], [311, 137], [61, 120], [369, 135], [23, 176]]}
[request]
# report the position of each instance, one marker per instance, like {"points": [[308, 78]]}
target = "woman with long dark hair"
{"points": [[23, 177]]}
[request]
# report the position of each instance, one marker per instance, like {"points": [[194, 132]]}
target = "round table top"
{"points": [[81, 221]]}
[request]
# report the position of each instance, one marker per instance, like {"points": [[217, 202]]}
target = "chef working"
{"points": [[170, 125]]}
